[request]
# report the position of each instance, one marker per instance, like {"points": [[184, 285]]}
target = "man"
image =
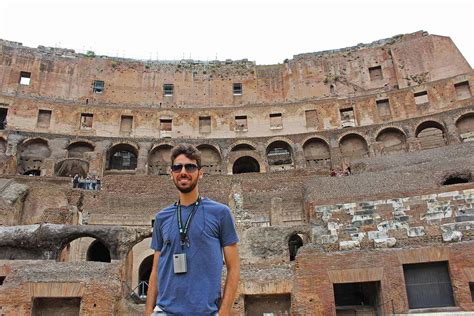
{"points": [[189, 238]]}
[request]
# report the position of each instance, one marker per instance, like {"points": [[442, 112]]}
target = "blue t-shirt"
{"points": [[198, 291]]}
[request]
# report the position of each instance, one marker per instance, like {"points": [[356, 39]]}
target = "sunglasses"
{"points": [[189, 167]]}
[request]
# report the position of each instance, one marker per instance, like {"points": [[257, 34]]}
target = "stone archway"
{"points": [[144, 272], [32, 153], [280, 156], [465, 127], [430, 134], [393, 141], [242, 147], [245, 164], [79, 149], [353, 146], [159, 160], [211, 159], [294, 243], [122, 157], [71, 167], [98, 252], [316, 153]]}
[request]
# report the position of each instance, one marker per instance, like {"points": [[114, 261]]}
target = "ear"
{"points": [[201, 173]]}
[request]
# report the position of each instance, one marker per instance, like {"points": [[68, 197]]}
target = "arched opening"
{"points": [[465, 127], [245, 164], [144, 272], [393, 141], [430, 135], [160, 160], [316, 153], [457, 178], [294, 243], [71, 167], [98, 252], [280, 156], [78, 149], [242, 147], [210, 159], [122, 157], [31, 156], [353, 147]]}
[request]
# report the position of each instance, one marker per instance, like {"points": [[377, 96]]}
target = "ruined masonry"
{"points": [[349, 174]]}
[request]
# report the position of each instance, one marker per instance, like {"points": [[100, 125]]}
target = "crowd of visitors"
{"points": [[91, 182]]}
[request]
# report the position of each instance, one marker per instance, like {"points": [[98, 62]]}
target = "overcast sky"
{"points": [[260, 30]]}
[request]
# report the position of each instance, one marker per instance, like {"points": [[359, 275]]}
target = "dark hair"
{"points": [[190, 151]]}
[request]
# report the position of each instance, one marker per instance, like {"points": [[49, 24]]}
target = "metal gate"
{"points": [[428, 285]]}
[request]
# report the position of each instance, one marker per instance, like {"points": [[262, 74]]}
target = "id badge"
{"points": [[179, 263]]}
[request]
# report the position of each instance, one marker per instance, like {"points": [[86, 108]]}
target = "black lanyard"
{"points": [[183, 231]]}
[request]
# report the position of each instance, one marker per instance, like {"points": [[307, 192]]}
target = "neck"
{"points": [[188, 198]]}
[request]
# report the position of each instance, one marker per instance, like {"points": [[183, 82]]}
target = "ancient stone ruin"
{"points": [[349, 174]]}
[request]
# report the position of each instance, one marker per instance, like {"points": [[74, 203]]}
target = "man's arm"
{"points": [[152, 286], [232, 262]]}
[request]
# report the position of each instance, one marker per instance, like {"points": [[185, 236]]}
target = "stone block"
{"points": [[349, 245], [385, 242], [377, 235], [416, 231], [452, 236], [328, 239]]}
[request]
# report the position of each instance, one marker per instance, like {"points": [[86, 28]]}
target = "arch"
{"points": [[122, 156], [242, 147], [316, 152], [279, 155], [32, 153], [159, 160], [465, 127], [70, 167], [294, 243], [245, 164], [210, 159], [353, 146], [393, 141], [430, 134], [98, 252], [144, 272], [78, 149]]}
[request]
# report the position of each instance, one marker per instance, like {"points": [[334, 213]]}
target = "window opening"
{"points": [[276, 121], [44, 118], [237, 89], [86, 120], [347, 117], [168, 90], [421, 97], [241, 123], [98, 86], [204, 124], [375, 73], [25, 78]]}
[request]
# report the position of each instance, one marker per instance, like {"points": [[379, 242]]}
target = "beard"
{"points": [[188, 187]]}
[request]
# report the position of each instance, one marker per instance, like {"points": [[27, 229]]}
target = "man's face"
{"points": [[185, 181]]}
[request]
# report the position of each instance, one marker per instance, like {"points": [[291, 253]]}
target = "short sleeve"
{"points": [[156, 237], [228, 233]]}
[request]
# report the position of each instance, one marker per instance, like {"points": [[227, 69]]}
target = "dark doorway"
{"points": [[3, 118], [98, 252], [144, 272], [294, 243], [428, 285], [276, 305], [56, 306], [245, 165], [357, 298], [35, 173]]}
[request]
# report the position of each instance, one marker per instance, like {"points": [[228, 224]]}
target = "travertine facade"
{"points": [[399, 112]]}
